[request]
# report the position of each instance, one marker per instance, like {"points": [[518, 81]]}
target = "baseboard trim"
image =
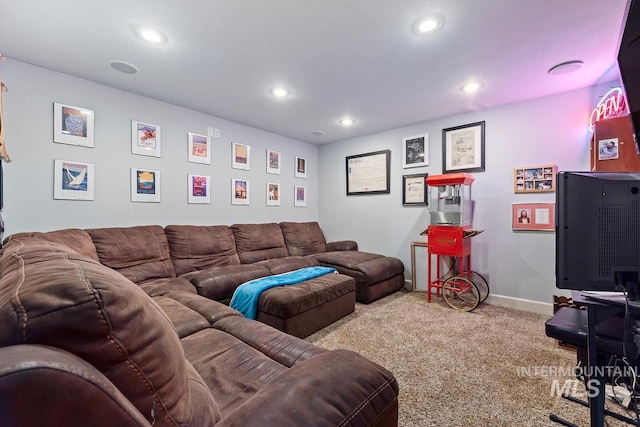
{"points": [[521, 304], [505, 301]]}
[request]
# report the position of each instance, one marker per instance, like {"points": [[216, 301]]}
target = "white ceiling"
{"points": [[356, 58]]}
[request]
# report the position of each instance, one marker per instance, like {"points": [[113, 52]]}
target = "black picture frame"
{"points": [[414, 196], [463, 148], [368, 173]]}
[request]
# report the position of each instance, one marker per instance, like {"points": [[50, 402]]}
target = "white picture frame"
{"points": [[145, 185], [146, 139], [300, 167], [199, 189], [199, 148], [608, 149], [273, 194], [73, 180], [239, 191], [273, 162], [415, 151], [300, 196], [240, 156], [73, 125]]}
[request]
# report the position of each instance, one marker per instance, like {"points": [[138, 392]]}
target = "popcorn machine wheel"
{"points": [[461, 287]]}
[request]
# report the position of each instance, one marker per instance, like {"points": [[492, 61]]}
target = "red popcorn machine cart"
{"points": [[449, 235]]}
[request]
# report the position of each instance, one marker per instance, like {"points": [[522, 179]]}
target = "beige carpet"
{"points": [[462, 369]]}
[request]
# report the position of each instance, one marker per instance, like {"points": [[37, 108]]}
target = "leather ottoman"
{"points": [[307, 307]]}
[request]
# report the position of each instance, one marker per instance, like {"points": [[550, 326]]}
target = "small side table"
{"points": [[413, 262]]}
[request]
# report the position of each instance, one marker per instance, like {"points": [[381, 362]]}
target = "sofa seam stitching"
{"points": [[366, 402]]}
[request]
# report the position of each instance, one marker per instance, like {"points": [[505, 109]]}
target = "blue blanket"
{"points": [[245, 298]]}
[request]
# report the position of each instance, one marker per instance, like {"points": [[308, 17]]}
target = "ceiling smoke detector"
{"points": [[565, 68], [124, 67]]}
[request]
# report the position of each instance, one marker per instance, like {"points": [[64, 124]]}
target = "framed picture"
{"points": [[145, 185], [301, 167], [414, 190], [145, 139], [240, 156], [608, 149], [199, 189], [533, 216], [199, 148], [239, 192], [368, 173], [273, 194], [535, 179], [73, 180], [273, 162], [300, 196], [415, 151], [463, 148], [73, 125]]}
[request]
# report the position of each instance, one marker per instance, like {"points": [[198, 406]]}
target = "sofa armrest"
{"points": [[342, 245], [40, 381], [334, 388]]}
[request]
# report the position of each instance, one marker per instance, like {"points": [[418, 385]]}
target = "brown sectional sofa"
{"points": [[81, 344]]}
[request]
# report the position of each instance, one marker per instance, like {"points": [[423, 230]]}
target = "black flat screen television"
{"points": [[598, 213], [629, 64], [598, 231]]}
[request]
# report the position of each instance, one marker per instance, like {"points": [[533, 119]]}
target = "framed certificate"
{"points": [[368, 173], [414, 190]]}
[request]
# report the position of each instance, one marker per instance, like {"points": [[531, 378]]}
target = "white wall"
{"points": [[550, 130], [518, 265], [29, 203]]}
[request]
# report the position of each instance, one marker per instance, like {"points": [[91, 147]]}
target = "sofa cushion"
{"points": [[195, 247], [219, 283], [157, 287], [211, 310], [283, 348], [290, 263], [367, 397], [255, 242], [184, 320], [53, 296], [75, 238], [365, 267], [303, 238], [233, 371], [138, 253]]}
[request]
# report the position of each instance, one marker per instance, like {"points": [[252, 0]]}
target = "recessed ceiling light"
{"points": [[565, 67], [471, 87], [318, 132], [346, 122], [280, 92], [428, 24], [151, 35], [124, 67]]}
